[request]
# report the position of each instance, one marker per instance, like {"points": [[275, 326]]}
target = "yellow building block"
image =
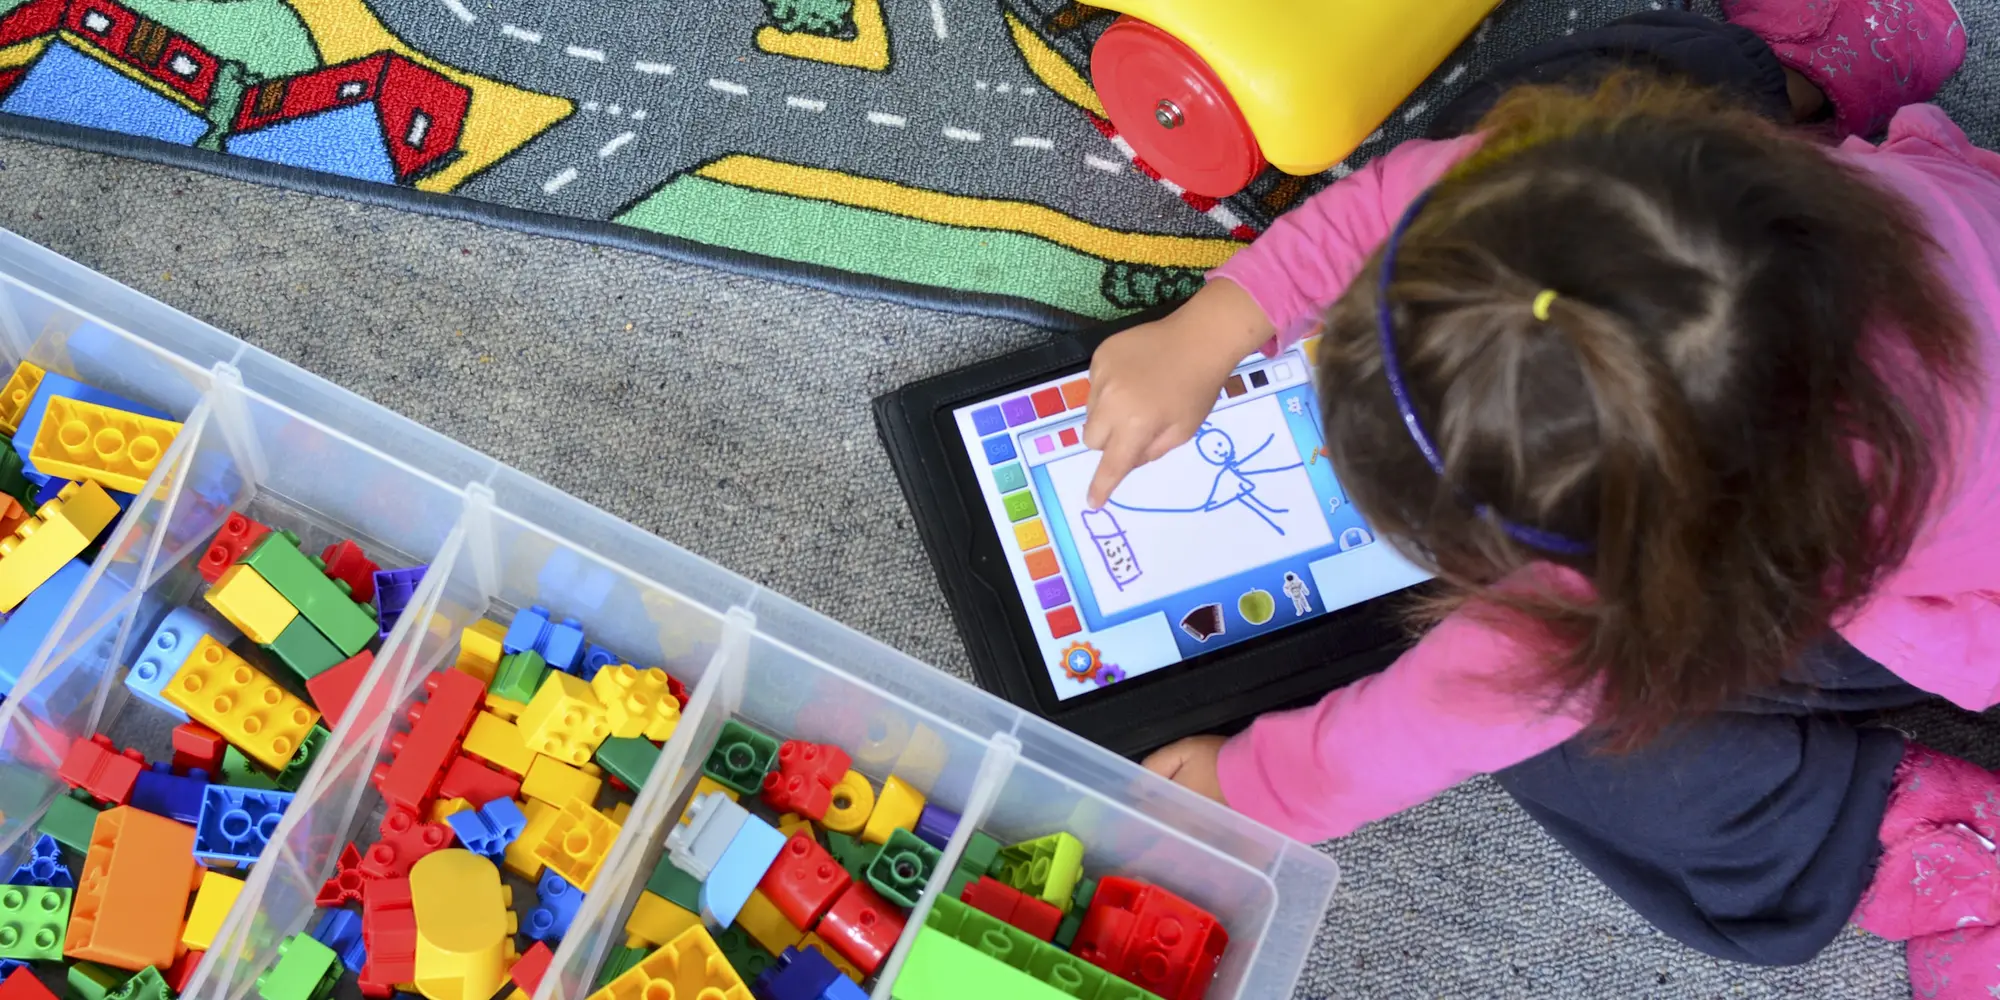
{"points": [[564, 719], [445, 807], [506, 708], [479, 649], [250, 603], [211, 905], [761, 918], [556, 783], [520, 857], [791, 823], [637, 702], [465, 925], [44, 543], [576, 843], [20, 391], [222, 691], [898, 806], [656, 920], [618, 812], [115, 448], [498, 742], [853, 800], [690, 967], [703, 787], [846, 967]]}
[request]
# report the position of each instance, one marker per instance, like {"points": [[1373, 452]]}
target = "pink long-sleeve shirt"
{"points": [[1443, 712]]}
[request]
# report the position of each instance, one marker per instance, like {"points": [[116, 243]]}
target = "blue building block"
{"points": [[393, 590], [62, 385], [526, 630], [163, 654], [8, 965], [595, 658], [737, 872], [796, 975], [32, 620], [341, 931], [559, 902], [236, 823], [489, 829], [44, 866], [843, 988], [562, 644], [163, 793], [935, 826]]}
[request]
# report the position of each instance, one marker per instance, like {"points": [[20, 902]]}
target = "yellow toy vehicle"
{"points": [[1210, 91]]}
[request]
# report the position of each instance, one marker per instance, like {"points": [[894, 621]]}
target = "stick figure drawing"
{"points": [[1234, 483]]}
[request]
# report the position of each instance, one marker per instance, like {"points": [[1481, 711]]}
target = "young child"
{"points": [[1697, 419]]}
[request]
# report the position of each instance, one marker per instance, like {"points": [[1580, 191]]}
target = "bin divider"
{"points": [[239, 431], [14, 340]]}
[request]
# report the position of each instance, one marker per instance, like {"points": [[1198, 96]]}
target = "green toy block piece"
{"points": [[630, 759], [940, 967], [320, 600], [745, 955], [955, 885], [33, 920], [242, 772], [902, 868], [1086, 890], [302, 758], [70, 822], [306, 970], [90, 981], [616, 964], [981, 854], [1066, 931], [1046, 867], [1028, 962], [520, 676], [741, 758], [854, 854], [302, 648], [16, 485], [675, 886], [147, 984]]}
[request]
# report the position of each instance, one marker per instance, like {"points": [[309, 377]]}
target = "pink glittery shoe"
{"points": [[1870, 57]]}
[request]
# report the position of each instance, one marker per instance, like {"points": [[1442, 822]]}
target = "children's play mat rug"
{"points": [[945, 152]]}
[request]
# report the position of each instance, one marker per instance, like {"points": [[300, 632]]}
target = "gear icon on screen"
{"points": [[1109, 675], [1079, 661]]}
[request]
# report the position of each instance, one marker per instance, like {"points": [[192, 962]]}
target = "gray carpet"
{"points": [[596, 370]]}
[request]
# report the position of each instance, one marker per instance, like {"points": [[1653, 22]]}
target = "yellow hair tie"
{"points": [[1543, 301]]}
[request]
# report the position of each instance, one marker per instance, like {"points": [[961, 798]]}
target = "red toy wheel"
{"points": [[1167, 102]]}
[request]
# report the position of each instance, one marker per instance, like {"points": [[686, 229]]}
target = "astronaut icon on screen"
{"points": [[1354, 538], [1301, 595], [1112, 545]]}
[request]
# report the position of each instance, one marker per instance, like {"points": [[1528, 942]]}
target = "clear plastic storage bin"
{"points": [[271, 440]]}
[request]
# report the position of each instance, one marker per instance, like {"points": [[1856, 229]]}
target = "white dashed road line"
{"points": [[937, 20], [559, 181], [805, 103], [458, 10], [886, 119], [516, 31], [1033, 142], [1453, 76], [961, 134], [652, 68], [579, 52], [1416, 110], [617, 143], [1100, 163], [727, 86]]}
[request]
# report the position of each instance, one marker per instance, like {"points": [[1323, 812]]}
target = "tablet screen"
{"points": [[1239, 532]]}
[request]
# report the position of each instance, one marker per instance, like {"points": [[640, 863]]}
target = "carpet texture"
{"points": [[594, 369]]}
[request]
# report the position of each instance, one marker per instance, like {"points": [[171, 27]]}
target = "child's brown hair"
{"points": [[1736, 401]]}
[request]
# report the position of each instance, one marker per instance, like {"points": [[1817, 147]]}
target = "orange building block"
{"points": [[689, 966], [133, 890], [224, 692]]}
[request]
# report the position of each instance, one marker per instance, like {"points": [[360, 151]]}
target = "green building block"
{"points": [[994, 959], [981, 854], [1086, 891], [854, 854], [955, 885], [902, 868], [616, 964], [675, 886], [1066, 931], [1046, 867], [520, 676], [630, 759], [33, 920], [322, 601], [16, 485], [147, 984], [70, 821], [745, 955], [243, 772], [741, 758], [302, 648], [302, 758], [90, 981], [306, 970]]}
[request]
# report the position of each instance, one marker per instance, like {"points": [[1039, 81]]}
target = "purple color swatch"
{"points": [[1019, 410], [1053, 592]]}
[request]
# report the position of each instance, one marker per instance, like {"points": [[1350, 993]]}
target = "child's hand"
{"points": [[1191, 764], [1153, 385]]}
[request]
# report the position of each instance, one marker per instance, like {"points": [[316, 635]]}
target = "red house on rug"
{"points": [[313, 119]]}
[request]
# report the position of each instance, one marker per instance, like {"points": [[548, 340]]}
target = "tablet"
{"points": [[1228, 577]]}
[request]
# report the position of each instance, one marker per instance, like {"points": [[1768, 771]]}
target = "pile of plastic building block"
{"points": [[79, 455], [791, 877], [499, 778]]}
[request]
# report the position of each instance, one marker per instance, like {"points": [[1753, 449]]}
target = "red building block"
{"points": [[178, 974], [332, 688], [389, 930], [22, 985], [803, 782], [97, 767], [476, 783], [679, 691], [196, 745], [419, 757], [862, 926], [404, 840], [238, 536], [345, 562], [1151, 938], [804, 881], [347, 883], [1000, 900], [529, 969]]}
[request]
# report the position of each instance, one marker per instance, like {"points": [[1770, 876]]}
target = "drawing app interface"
{"points": [[1238, 532]]}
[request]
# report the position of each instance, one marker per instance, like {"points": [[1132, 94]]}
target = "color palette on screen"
{"points": [[997, 427]]}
